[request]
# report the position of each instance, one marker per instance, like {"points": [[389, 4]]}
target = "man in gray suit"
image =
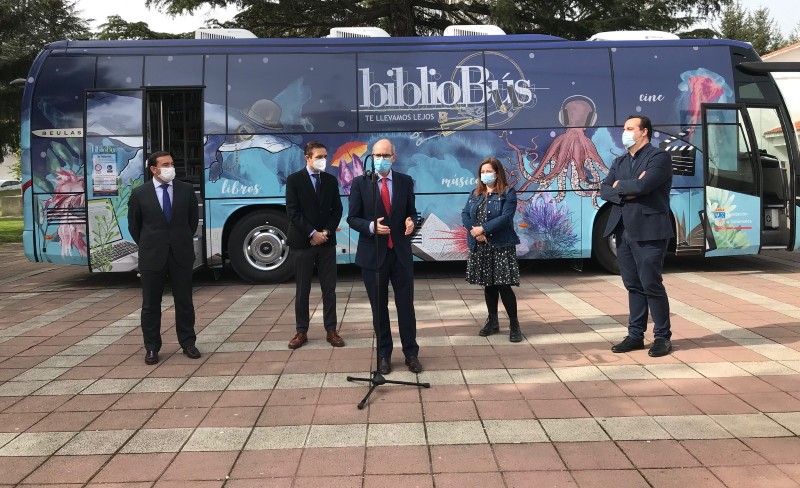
{"points": [[162, 219], [638, 185]]}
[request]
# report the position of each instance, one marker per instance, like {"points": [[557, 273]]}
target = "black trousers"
{"points": [[402, 280], [180, 280], [640, 265], [304, 260]]}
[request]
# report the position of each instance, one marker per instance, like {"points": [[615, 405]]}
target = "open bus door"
{"points": [[747, 190], [114, 166]]}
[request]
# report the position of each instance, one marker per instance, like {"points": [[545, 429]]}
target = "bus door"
{"points": [[747, 189], [114, 166], [174, 121]]}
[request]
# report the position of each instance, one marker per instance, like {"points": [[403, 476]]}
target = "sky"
{"points": [[785, 12], [135, 11]]}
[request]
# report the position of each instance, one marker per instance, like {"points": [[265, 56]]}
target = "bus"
{"points": [[236, 113]]}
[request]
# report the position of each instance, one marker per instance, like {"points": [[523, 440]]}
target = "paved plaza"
{"points": [[79, 408]]}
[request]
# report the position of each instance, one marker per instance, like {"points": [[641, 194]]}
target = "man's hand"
{"points": [[615, 184], [382, 229], [318, 238], [476, 231], [409, 225], [481, 238], [642, 175]]}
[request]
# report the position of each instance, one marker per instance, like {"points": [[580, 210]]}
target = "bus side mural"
{"points": [[550, 114]]}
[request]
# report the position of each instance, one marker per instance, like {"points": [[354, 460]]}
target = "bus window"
{"points": [[214, 94], [59, 93], [119, 71], [173, 70], [730, 164], [270, 93]]}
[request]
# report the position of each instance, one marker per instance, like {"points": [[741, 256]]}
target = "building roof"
{"points": [[778, 130], [782, 50]]}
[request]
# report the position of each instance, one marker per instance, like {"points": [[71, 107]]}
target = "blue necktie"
{"points": [[167, 205], [317, 187]]}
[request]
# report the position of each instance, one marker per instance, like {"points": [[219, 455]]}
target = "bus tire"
{"points": [[604, 249], [258, 250]]}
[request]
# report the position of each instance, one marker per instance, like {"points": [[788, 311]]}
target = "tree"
{"points": [[116, 28], [25, 27], [572, 19], [758, 28]]}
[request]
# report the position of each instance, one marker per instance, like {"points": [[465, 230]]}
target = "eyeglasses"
{"points": [[382, 156]]}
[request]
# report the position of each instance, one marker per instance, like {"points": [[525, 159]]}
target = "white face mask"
{"points": [[319, 164], [166, 174]]}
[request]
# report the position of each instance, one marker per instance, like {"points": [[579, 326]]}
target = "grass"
{"points": [[11, 229]]}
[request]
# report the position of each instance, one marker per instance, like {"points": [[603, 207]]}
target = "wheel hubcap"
{"points": [[265, 248]]}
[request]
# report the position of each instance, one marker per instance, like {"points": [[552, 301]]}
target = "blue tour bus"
{"points": [[236, 113]]}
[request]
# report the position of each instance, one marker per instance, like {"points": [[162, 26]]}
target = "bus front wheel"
{"points": [[257, 247], [604, 249]]}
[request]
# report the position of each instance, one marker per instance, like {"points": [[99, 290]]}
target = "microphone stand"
{"points": [[376, 379]]}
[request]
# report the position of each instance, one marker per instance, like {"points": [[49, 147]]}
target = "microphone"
{"points": [[369, 172]]}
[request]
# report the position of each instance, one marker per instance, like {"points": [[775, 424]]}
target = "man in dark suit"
{"points": [[315, 209], [638, 185], [162, 219], [390, 252]]}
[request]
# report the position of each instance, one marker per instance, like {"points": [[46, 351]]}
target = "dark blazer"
{"points": [[307, 212], [499, 226], [646, 217], [154, 235], [360, 215]]}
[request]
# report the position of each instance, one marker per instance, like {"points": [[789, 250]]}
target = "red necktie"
{"points": [[387, 203]]}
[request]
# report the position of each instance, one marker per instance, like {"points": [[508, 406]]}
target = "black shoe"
{"points": [[385, 365], [514, 334], [192, 352], [151, 357], [628, 344], [492, 326], [413, 364], [661, 347]]}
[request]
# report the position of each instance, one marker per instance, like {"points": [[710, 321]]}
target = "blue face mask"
{"points": [[382, 165], [487, 178], [628, 140]]}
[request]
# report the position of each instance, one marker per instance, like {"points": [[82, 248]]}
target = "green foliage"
{"points": [[116, 28], [26, 26], [758, 28], [571, 19], [104, 232], [11, 229]]}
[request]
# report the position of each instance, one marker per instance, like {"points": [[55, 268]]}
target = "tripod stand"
{"points": [[376, 378]]}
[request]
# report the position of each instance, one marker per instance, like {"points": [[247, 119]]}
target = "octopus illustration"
{"points": [[571, 155]]}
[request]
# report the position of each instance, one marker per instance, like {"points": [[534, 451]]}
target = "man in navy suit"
{"points": [[315, 209], [162, 219], [384, 241], [638, 185]]}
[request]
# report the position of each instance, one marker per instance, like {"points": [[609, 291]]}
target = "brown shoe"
{"points": [[299, 339], [334, 339]]}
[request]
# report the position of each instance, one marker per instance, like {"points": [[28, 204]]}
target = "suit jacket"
{"points": [[155, 236], [360, 216], [308, 212], [646, 217]]}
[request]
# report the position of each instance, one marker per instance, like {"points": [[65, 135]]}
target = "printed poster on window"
{"points": [[104, 173]]}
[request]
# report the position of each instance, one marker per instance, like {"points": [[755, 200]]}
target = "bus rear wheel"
{"points": [[604, 249], [257, 247]]}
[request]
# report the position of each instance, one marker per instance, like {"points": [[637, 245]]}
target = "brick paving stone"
{"points": [[553, 409], [779, 450], [723, 452], [592, 455], [126, 468], [385, 460], [16, 468], [468, 480], [658, 454], [266, 464], [72, 469], [750, 476], [340, 461], [681, 478], [399, 480], [200, 466], [328, 481], [540, 479], [602, 478], [462, 459]]}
